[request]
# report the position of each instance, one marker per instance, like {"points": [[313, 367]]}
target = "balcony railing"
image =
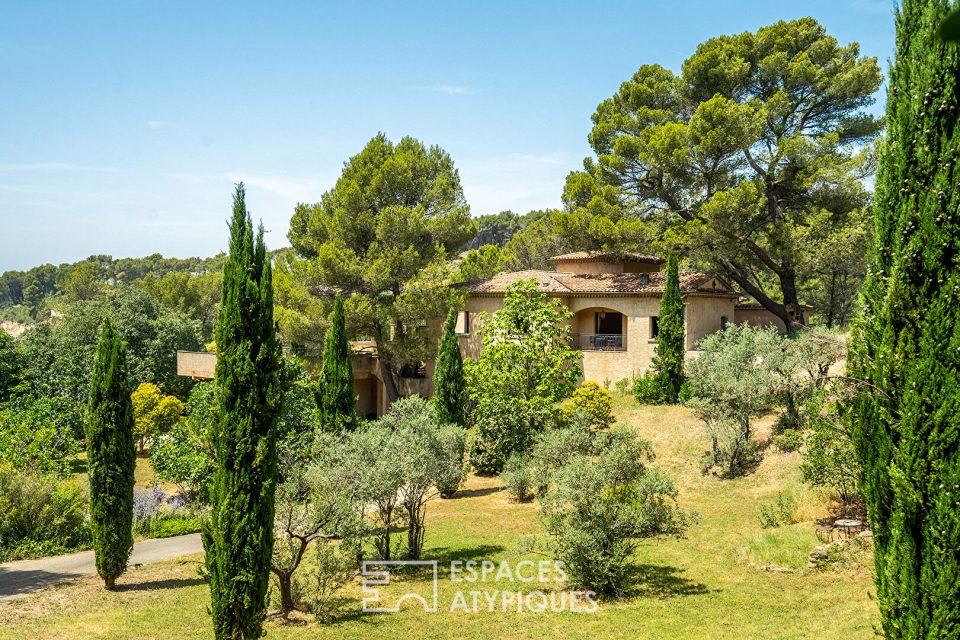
{"points": [[598, 341]]}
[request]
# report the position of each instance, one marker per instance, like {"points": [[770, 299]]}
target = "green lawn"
{"points": [[728, 579]]}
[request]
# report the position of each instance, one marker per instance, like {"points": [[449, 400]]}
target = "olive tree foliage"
{"points": [[731, 381], [397, 464], [429, 456], [743, 371], [761, 137], [527, 365], [599, 497], [381, 236], [312, 505]]}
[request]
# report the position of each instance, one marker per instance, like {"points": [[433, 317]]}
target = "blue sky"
{"points": [[124, 124]]}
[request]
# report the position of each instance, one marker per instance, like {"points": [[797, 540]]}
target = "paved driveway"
{"points": [[22, 577]]}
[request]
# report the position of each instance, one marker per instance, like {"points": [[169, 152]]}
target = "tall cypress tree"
{"points": [[450, 386], [111, 458], [238, 538], [670, 348], [906, 343], [335, 400]]}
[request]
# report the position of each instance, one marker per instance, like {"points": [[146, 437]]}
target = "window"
{"points": [[463, 323], [654, 327]]}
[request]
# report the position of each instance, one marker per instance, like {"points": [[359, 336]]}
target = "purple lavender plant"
{"points": [[146, 504]]}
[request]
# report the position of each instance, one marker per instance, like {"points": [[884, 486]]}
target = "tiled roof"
{"points": [[621, 256], [755, 306], [612, 283]]}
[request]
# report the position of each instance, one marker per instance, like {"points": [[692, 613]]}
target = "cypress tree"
{"points": [[450, 386], [670, 348], [238, 537], [111, 458], [905, 346], [335, 400]]}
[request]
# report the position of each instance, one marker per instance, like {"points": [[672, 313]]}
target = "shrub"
{"points": [[519, 477], [40, 515], [331, 570], [429, 455], [601, 498], [623, 386], [168, 527], [595, 401], [781, 512], [184, 456], [39, 434], [789, 440], [646, 389], [734, 379], [830, 459]]}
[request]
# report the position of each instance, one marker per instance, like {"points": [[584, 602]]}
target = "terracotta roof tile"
{"points": [[619, 283], [621, 256]]}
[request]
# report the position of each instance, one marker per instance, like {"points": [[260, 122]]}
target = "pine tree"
{"points": [[238, 538], [111, 458], [906, 343], [335, 399], [671, 347], [450, 386]]}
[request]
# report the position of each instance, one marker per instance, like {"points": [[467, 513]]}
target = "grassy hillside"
{"points": [[728, 579]]}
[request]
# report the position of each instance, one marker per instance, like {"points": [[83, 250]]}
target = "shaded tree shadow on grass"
{"points": [[474, 493], [661, 581], [443, 557], [151, 585]]}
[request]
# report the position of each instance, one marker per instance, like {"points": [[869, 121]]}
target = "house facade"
{"points": [[615, 302]]}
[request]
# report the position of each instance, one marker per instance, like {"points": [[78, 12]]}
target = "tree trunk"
{"points": [[415, 535], [287, 604], [791, 301], [792, 320], [389, 382], [109, 583]]}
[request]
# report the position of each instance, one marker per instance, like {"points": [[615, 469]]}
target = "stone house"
{"points": [[615, 299]]}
